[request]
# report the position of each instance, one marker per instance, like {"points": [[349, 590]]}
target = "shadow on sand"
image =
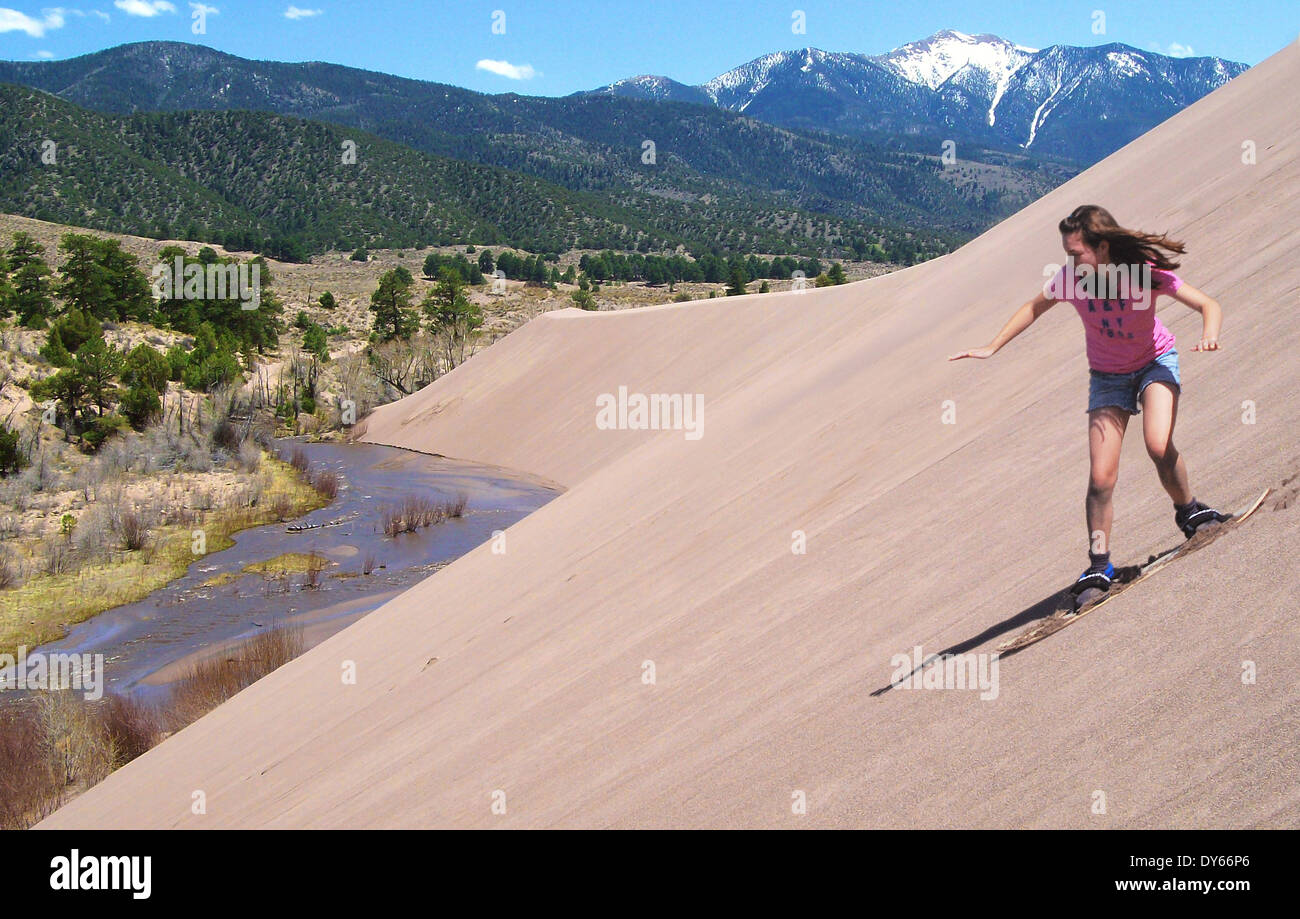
{"points": [[1054, 604]]}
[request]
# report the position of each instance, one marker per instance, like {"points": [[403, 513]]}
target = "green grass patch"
{"points": [[46, 606]]}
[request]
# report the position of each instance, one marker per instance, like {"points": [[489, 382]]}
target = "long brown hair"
{"points": [[1127, 247]]}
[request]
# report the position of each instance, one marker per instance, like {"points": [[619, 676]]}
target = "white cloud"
{"points": [[43, 55], [294, 12], [205, 9], [145, 8], [14, 21], [1175, 49], [100, 13], [507, 69]]}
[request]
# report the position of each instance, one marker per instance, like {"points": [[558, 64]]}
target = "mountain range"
{"points": [[977, 87], [803, 152], [286, 186]]}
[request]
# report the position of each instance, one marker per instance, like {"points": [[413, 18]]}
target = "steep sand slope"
{"points": [[522, 672]]}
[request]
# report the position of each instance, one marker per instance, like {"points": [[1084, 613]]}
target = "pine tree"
{"points": [[24, 251], [83, 280], [68, 389], [98, 363], [140, 404], [145, 366], [75, 329], [54, 351], [736, 286], [128, 286], [316, 342], [31, 294], [11, 454], [391, 304], [452, 316]]}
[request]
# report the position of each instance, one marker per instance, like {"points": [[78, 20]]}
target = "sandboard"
{"points": [[1071, 608]]}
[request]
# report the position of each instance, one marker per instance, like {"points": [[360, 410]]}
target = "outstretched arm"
{"points": [[1211, 315], [1021, 320]]}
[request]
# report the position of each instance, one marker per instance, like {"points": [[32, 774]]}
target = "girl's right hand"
{"points": [[977, 352]]}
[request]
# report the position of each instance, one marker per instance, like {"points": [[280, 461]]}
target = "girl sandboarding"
{"points": [[1133, 365]]}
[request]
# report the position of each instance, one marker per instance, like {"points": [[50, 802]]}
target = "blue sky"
{"points": [[555, 47]]}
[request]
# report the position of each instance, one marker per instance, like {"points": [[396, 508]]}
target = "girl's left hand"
{"points": [[1207, 344]]}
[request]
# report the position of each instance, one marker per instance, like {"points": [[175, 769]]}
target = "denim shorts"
{"points": [[1125, 389]]}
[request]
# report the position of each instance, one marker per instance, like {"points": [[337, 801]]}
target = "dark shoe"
{"points": [[1096, 577], [1197, 516]]}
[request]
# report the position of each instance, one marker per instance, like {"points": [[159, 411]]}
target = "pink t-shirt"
{"points": [[1122, 336]]}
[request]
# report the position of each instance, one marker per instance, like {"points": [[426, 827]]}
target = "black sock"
{"points": [[1186, 508], [1099, 559]]}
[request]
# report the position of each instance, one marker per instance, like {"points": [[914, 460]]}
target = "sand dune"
{"points": [[522, 672]]}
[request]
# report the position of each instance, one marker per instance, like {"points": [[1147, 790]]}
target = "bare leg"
{"points": [[1105, 437], [1159, 412]]}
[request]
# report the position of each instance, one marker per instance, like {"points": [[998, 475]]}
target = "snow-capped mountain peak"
{"points": [[646, 84], [933, 60]]}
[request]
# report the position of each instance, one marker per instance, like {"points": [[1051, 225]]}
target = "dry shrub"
{"points": [[135, 453], [249, 457], [275, 583], [202, 499], [227, 436], [415, 511], [88, 478], [8, 571], [164, 445], [133, 727], [18, 491], [298, 459], [59, 557], [326, 481], [29, 786], [456, 506], [77, 743], [37, 477], [114, 459], [262, 432], [390, 520], [184, 516], [92, 535], [194, 457], [211, 682], [282, 506], [131, 528], [420, 511], [316, 565], [252, 493], [58, 740]]}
